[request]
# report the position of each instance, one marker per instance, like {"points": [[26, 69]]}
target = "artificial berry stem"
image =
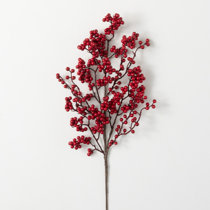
{"points": [[115, 98]]}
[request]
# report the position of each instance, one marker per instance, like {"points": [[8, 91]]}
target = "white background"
{"points": [[164, 166]]}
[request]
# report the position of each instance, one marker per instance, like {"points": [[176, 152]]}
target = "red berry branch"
{"points": [[115, 100]]}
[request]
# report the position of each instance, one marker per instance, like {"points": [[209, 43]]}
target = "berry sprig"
{"points": [[115, 99]]}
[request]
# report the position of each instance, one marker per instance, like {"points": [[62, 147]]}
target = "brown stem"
{"points": [[106, 149], [106, 180]]}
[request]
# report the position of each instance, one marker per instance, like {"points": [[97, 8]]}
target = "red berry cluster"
{"points": [[76, 143], [116, 21], [112, 142], [115, 97], [78, 124], [69, 105], [99, 118], [95, 44], [90, 152], [83, 72], [130, 41], [130, 120]]}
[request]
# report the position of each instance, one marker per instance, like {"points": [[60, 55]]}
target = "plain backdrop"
{"points": [[164, 166]]}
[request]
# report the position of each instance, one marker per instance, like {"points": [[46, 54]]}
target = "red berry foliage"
{"points": [[113, 105]]}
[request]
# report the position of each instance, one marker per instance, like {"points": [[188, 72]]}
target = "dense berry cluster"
{"points": [[76, 143], [115, 22], [116, 99]]}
